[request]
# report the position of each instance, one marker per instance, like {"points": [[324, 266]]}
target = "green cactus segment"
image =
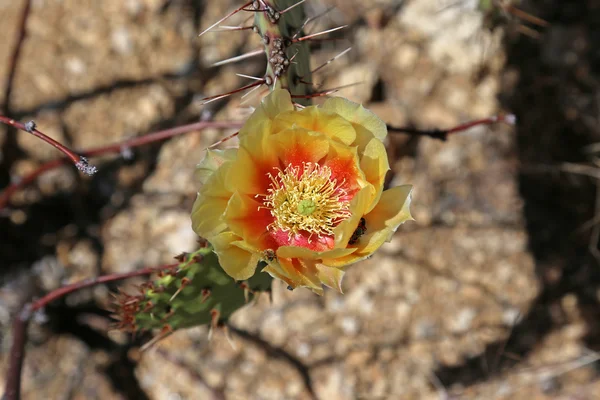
{"points": [[288, 60], [197, 292]]}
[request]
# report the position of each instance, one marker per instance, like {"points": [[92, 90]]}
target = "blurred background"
{"points": [[493, 292]]}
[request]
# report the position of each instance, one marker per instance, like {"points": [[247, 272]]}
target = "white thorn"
{"points": [[331, 60], [250, 77], [308, 37], [239, 58]]}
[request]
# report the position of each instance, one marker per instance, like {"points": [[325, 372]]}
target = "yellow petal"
{"points": [[238, 263], [277, 102], [357, 114], [207, 215], [274, 269], [318, 120], [374, 164], [366, 124], [217, 184], [210, 204], [331, 277], [211, 161], [392, 210], [358, 206]]}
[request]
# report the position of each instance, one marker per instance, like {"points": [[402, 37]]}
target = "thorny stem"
{"points": [[21, 321], [442, 134], [113, 148], [60, 292], [80, 162]]}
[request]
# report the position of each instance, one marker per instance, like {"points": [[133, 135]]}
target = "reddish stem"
{"points": [[11, 189], [29, 127], [442, 134], [60, 292]]}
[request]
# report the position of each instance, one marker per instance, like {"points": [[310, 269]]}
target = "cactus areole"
{"points": [[288, 63]]}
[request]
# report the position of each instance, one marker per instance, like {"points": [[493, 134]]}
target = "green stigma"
{"points": [[306, 207]]}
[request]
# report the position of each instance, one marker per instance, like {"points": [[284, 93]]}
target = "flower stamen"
{"points": [[306, 199]]}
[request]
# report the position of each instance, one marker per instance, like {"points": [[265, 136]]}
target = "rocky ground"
{"points": [[493, 292]]}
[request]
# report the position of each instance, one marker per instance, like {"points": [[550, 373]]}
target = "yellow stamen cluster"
{"points": [[306, 200]]}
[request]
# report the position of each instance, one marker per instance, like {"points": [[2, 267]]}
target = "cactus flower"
{"points": [[303, 193]]}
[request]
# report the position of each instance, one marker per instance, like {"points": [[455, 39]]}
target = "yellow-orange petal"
{"points": [[296, 146], [301, 273], [343, 162], [246, 217], [316, 119], [237, 262], [374, 164], [249, 173]]}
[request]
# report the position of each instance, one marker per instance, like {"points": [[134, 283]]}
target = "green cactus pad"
{"points": [[197, 292]]}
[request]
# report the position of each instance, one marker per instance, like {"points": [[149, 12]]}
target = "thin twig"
{"points": [[63, 291], [80, 162], [442, 134], [21, 321], [11, 189]]}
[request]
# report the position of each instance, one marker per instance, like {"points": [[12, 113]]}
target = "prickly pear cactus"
{"points": [[196, 292]]}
